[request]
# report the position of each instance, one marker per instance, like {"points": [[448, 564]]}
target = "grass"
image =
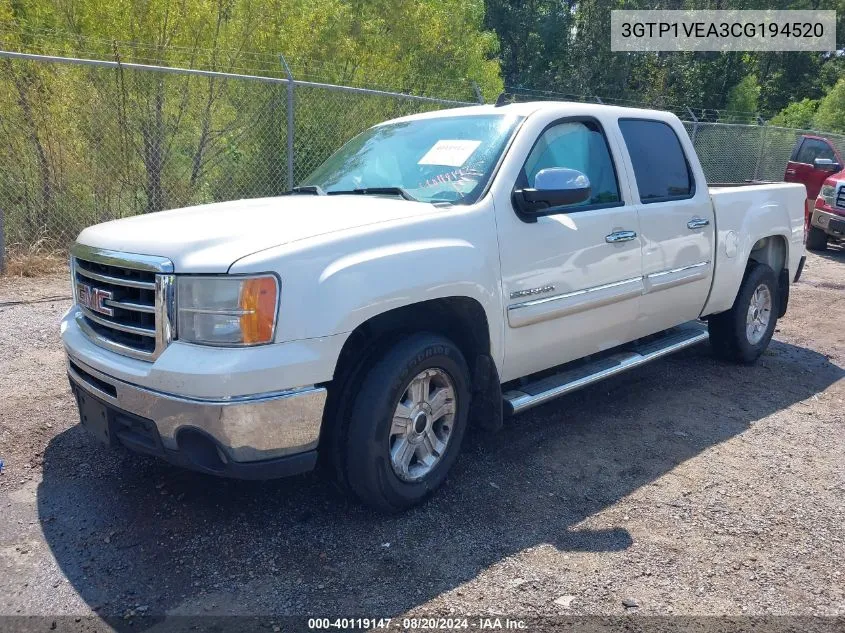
{"points": [[36, 260]]}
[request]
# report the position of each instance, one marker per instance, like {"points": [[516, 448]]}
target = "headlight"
{"points": [[827, 193], [227, 310]]}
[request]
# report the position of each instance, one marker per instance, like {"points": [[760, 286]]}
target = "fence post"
{"points": [[694, 124], [762, 125], [290, 120], [478, 96], [2, 243]]}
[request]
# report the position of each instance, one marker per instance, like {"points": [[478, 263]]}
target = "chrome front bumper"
{"points": [[260, 436], [830, 223]]}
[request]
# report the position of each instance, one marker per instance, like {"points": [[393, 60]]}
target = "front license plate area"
{"points": [[837, 226], [94, 416]]}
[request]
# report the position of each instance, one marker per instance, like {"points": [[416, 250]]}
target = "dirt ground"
{"points": [[687, 487]]}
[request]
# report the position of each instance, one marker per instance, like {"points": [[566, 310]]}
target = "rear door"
{"points": [[677, 224]]}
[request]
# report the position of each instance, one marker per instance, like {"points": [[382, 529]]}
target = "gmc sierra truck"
{"points": [[438, 271]]}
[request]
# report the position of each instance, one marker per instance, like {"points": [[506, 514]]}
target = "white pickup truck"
{"points": [[438, 271]]}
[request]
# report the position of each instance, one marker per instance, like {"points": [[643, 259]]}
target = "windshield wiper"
{"points": [[312, 190], [377, 191]]}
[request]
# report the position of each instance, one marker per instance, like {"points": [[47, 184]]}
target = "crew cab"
{"points": [[440, 270]]}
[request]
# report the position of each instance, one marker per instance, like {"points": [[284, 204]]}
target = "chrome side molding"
{"points": [[677, 276], [536, 310]]}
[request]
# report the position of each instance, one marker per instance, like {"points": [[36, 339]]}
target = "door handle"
{"points": [[620, 236], [791, 172], [697, 223]]}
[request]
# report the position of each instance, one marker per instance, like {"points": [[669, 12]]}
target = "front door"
{"points": [[572, 279]]}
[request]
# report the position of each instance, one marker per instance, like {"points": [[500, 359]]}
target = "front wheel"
{"points": [[816, 239], [743, 333], [407, 423]]}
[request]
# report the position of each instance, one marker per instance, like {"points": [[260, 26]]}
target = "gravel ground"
{"points": [[689, 486]]}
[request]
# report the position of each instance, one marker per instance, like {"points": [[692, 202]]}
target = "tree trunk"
{"points": [[40, 220]]}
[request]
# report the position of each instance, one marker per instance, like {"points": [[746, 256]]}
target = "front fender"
{"points": [[361, 285], [332, 285]]}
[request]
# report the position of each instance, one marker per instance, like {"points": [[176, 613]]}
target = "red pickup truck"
{"points": [[817, 164]]}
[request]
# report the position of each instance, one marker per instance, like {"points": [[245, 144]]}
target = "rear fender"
{"points": [[764, 223]]}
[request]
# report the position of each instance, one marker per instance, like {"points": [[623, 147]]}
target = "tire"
{"points": [[391, 469], [732, 335], [816, 239]]}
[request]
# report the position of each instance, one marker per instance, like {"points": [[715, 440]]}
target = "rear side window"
{"points": [[660, 166], [813, 148]]}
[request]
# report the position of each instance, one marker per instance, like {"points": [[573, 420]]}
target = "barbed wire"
{"points": [[682, 110], [241, 61], [51, 41]]}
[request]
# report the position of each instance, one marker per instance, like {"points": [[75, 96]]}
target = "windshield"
{"points": [[443, 159]]}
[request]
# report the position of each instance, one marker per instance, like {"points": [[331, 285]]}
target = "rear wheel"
{"points": [[407, 422], [743, 333], [816, 239]]}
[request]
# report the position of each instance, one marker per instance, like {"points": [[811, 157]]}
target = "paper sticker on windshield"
{"points": [[449, 153]]}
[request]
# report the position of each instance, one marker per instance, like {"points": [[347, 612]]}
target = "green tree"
{"points": [[80, 145], [830, 117], [743, 100], [797, 115]]}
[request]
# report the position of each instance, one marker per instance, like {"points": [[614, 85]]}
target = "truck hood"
{"points": [[209, 238]]}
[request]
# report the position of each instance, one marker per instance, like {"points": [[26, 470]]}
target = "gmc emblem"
{"points": [[93, 298]]}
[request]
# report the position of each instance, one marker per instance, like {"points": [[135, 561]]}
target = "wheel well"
{"points": [[772, 251], [461, 319]]}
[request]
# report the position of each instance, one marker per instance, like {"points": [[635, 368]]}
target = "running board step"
{"points": [[628, 357]]}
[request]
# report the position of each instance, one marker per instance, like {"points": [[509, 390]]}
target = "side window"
{"points": [[577, 145], [793, 157], [660, 166], [813, 148]]}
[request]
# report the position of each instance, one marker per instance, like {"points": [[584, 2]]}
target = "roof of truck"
{"points": [[529, 107]]}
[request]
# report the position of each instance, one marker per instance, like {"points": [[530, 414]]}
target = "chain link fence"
{"points": [[732, 152], [85, 141]]}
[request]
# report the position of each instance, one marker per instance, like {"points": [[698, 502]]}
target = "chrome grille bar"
{"points": [[140, 331], [117, 281], [126, 305], [126, 301]]}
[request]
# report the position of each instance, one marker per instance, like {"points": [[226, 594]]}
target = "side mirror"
{"points": [[826, 164], [553, 187]]}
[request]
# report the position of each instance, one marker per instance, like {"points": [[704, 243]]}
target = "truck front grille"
{"points": [[840, 197], [125, 301]]}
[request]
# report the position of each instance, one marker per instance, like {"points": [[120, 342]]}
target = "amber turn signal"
{"points": [[258, 300]]}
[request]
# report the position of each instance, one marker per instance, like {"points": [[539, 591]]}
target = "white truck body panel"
{"points": [[744, 216], [208, 238]]}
